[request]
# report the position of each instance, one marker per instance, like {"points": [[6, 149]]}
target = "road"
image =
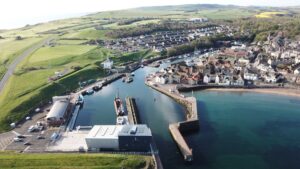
{"points": [[11, 68]]}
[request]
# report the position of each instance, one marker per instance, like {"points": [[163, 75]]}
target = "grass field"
{"points": [[268, 14], [71, 42], [73, 161], [49, 53], [214, 13], [89, 33], [9, 48]]}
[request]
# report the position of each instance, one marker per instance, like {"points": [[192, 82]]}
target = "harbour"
{"points": [[160, 117]]}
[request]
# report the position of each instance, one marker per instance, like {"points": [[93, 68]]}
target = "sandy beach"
{"points": [[286, 92]]}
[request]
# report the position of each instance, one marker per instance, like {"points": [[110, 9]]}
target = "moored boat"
{"points": [[119, 108], [129, 79]]}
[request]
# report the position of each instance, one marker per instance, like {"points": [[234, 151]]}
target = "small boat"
{"points": [[90, 92], [142, 66], [119, 106], [132, 74], [129, 79], [122, 120], [96, 88], [123, 79]]}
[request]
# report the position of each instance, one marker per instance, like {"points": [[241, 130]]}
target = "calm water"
{"points": [[238, 130]]}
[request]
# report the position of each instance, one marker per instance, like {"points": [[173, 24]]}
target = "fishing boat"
{"points": [[119, 108], [90, 92], [129, 79]]}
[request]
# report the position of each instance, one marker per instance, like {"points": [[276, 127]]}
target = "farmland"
{"points": [[269, 14], [10, 48]]}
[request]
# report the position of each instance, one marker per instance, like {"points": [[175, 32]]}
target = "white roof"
{"points": [[58, 110], [105, 131]]}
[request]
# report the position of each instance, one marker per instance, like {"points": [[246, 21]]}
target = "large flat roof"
{"points": [[135, 130], [105, 131], [113, 131]]}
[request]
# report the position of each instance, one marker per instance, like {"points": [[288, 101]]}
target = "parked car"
{"points": [[40, 137], [18, 139], [27, 143], [20, 136]]}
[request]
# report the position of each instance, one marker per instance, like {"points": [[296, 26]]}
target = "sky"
{"points": [[18, 13]]}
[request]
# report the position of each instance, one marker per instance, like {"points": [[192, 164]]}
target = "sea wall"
{"points": [[191, 124]]}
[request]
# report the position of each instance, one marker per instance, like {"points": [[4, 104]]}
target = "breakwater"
{"points": [[133, 114], [191, 123]]}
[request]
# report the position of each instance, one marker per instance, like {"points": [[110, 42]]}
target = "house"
{"points": [[297, 59], [160, 79], [206, 79], [244, 61], [276, 54], [250, 76], [108, 64], [217, 79], [297, 71], [270, 79]]}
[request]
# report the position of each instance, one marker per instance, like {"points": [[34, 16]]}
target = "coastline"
{"points": [[277, 91]]}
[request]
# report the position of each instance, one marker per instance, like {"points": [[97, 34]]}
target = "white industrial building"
{"points": [[56, 115], [119, 137], [104, 137]]}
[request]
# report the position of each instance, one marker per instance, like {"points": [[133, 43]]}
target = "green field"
{"points": [[71, 42], [89, 33], [49, 53], [11, 48], [73, 161], [30, 82]]}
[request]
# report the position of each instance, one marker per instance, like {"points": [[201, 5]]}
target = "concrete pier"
{"points": [[182, 145], [133, 114], [133, 118], [191, 124]]}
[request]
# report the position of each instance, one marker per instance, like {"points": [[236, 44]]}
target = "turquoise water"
{"points": [[238, 130], [246, 130]]}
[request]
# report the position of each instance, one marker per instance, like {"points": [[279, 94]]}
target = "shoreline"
{"points": [[276, 91]]}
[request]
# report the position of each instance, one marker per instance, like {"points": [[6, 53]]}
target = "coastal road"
{"points": [[11, 68]]}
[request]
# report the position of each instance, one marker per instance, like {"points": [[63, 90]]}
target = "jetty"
{"points": [[191, 123], [133, 114], [133, 118]]}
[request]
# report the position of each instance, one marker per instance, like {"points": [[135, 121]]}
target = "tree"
{"points": [[19, 38]]}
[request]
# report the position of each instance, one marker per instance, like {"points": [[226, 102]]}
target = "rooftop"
{"points": [[105, 131], [137, 130]]}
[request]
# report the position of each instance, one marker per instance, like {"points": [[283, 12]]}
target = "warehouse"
{"points": [[119, 137], [103, 137], [56, 115]]}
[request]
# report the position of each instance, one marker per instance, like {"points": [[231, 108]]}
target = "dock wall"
{"points": [[191, 124], [133, 114], [182, 145], [187, 88]]}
